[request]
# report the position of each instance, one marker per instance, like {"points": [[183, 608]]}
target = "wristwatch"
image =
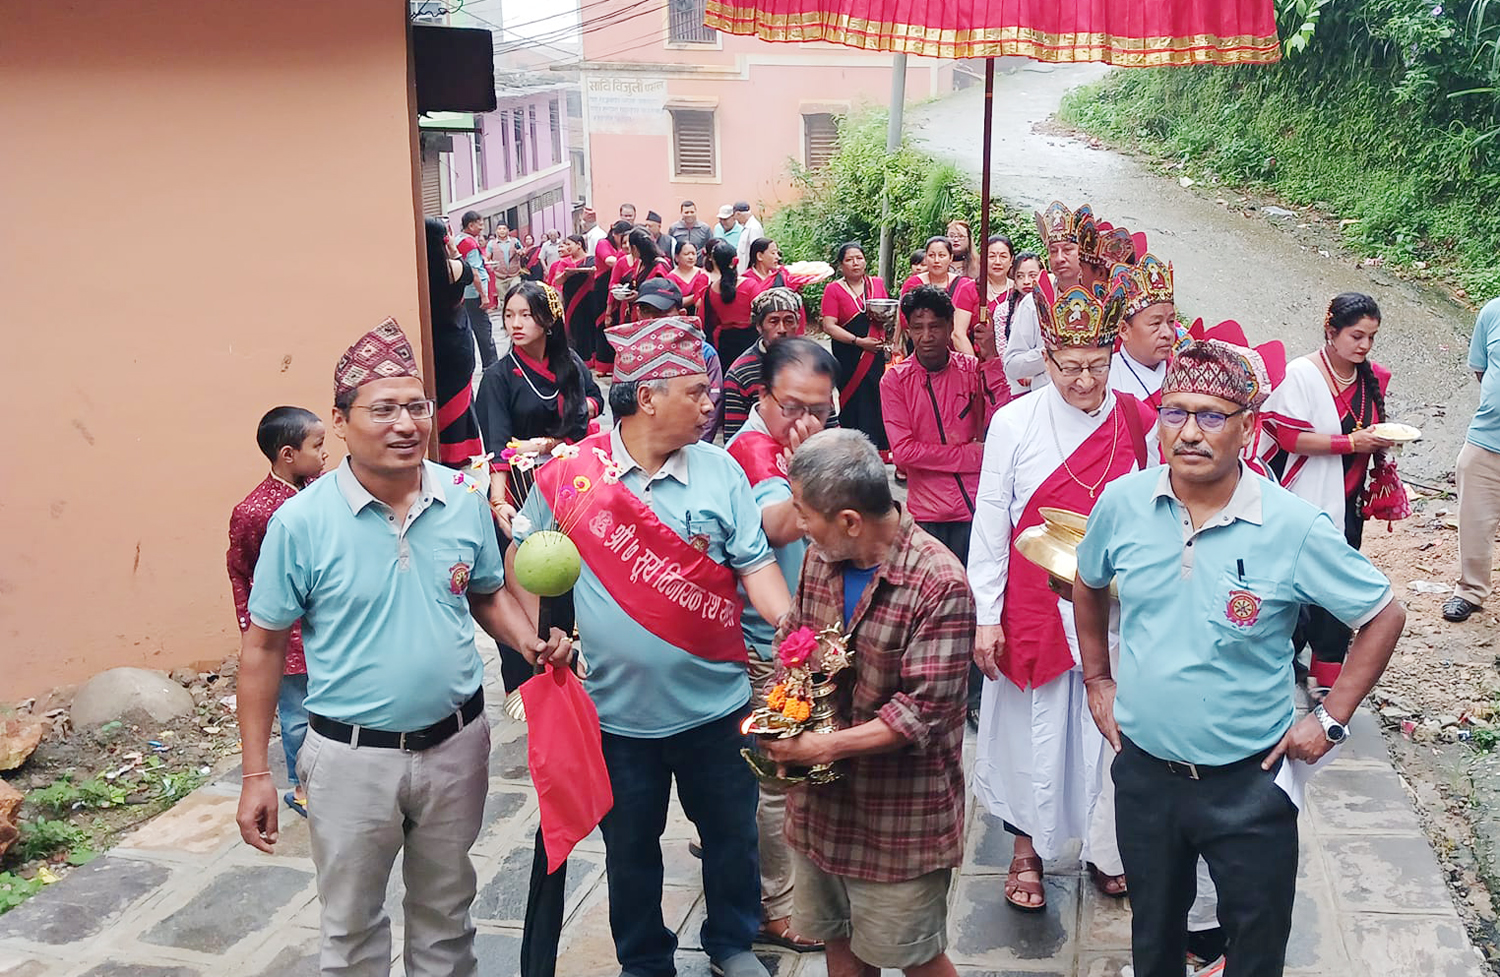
{"points": [[1335, 731]]}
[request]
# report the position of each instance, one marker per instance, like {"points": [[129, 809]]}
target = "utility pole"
{"points": [[892, 144]]}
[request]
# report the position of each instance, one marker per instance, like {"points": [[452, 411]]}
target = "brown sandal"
{"points": [[1015, 884], [1113, 886], [783, 935]]}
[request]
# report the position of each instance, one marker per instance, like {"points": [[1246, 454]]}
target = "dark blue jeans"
{"points": [[718, 794]]}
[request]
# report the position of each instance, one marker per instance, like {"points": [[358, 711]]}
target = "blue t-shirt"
{"points": [[642, 685], [1206, 622], [384, 608], [1484, 356], [855, 582]]}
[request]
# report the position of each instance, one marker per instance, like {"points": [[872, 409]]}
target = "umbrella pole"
{"points": [[984, 199], [892, 145]]}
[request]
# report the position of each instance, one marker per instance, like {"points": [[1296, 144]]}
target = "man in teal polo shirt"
{"points": [[668, 529], [1212, 563], [384, 561]]}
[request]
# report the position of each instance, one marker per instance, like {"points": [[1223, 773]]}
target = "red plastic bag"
{"points": [[1386, 496], [566, 759]]}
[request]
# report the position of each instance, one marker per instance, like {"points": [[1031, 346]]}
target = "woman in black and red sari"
{"points": [[726, 305], [645, 261], [531, 260], [860, 352], [452, 349], [539, 395], [609, 252]]}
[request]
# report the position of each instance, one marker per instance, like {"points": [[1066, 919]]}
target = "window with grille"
{"points": [[820, 138], [554, 123], [685, 23], [531, 128], [518, 142], [693, 151]]}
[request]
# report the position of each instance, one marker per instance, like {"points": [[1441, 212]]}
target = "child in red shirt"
{"points": [[291, 438]]}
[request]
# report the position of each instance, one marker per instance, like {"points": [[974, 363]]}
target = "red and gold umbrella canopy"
{"points": [[1128, 33]]}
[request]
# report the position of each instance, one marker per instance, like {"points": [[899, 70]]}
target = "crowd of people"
{"points": [[1143, 710]]}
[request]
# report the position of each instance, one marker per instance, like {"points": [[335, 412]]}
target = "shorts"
{"points": [[888, 924]]}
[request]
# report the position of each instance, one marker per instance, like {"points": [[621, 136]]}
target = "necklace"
{"points": [[1108, 466], [544, 398], [1328, 364], [859, 300]]}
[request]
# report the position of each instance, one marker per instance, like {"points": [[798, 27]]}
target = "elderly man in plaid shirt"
{"points": [[875, 849]]}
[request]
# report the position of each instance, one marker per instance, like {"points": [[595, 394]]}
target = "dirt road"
{"points": [[1227, 266]]}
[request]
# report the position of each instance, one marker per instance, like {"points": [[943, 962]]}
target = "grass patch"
{"points": [[1417, 188]]}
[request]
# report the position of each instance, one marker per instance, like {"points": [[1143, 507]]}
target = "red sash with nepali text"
{"points": [[669, 587], [759, 455], [1036, 646]]}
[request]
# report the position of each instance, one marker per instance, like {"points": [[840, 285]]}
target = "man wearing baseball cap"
{"points": [[1212, 563], [728, 229]]}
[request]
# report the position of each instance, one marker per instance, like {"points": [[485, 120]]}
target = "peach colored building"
{"points": [[172, 269], [674, 110]]}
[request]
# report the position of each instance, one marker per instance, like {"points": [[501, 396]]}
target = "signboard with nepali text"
{"points": [[627, 105]]}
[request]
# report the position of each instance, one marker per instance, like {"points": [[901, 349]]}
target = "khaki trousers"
{"points": [[366, 805], [770, 819], [1478, 517]]}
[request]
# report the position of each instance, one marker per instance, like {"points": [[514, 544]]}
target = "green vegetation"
{"points": [[15, 890], [1385, 112], [842, 201]]}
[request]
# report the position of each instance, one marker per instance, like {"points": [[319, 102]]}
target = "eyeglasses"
{"points": [[1097, 370], [386, 412], [795, 411], [1208, 420]]}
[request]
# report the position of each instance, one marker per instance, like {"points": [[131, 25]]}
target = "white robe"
{"points": [[1024, 354], [1129, 375], [1304, 397], [1041, 762]]}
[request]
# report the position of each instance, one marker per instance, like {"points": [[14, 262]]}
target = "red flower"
{"points": [[797, 647]]}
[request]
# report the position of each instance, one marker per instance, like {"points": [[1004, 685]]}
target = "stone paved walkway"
{"points": [[183, 897]]}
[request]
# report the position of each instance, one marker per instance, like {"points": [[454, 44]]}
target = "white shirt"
{"points": [[593, 236], [1128, 375], [1024, 355], [749, 231], [1027, 441]]}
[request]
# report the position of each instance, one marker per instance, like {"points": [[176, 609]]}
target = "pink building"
{"points": [[675, 111], [512, 165]]}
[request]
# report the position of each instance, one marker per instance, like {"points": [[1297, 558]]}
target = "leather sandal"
{"points": [[1113, 886], [1014, 883], [779, 932]]}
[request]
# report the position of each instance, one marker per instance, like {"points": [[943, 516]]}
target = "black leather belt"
{"points": [[1197, 771], [414, 742]]}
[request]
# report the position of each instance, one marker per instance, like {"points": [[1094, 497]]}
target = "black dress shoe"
{"points": [[1455, 608]]}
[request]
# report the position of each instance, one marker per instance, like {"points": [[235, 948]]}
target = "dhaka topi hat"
{"points": [[380, 354], [657, 349], [1219, 369], [652, 215], [661, 294], [773, 300]]}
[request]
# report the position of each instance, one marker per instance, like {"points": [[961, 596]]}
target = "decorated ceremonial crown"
{"points": [[1079, 317], [1146, 283], [1058, 224]]}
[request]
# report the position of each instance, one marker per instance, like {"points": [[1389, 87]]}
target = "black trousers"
{"points": [[484, 334], [955, 536], [1242, 824]]}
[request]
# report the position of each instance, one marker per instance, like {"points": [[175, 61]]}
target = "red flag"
{"points": [[566, 759]]}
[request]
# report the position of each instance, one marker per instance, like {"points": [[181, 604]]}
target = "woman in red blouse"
{"points": [[692, 280], [858, 344], [961, 290], [726, 304]]}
